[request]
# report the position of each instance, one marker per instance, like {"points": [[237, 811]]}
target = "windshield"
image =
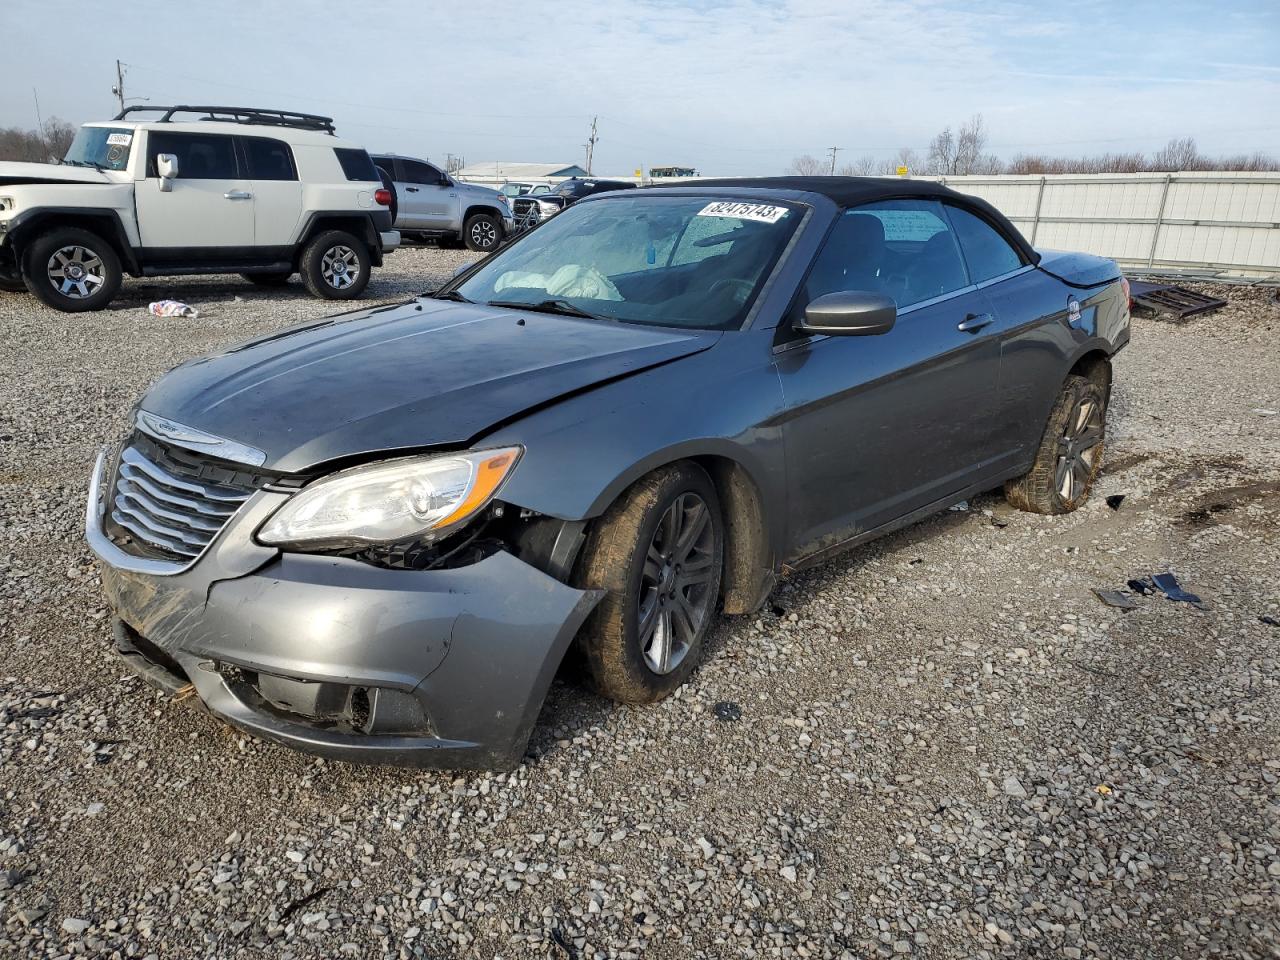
{"points": [[668, 261], [104, 147]]}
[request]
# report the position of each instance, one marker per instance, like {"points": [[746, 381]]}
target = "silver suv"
{"points": [[428, 203]]}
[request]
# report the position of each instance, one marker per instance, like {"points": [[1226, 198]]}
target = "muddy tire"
{"points": [[659, 554], [1070, 453]]}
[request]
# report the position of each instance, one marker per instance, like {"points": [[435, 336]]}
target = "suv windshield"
{"points": [[668, 261], [104, 147]]}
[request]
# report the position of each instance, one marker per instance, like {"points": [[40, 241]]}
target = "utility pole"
{"points": [[833, 151], [591, 144], [118, 89]]}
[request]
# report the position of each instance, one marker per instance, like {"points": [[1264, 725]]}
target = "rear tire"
{"points": [[482, 232], [335, 266], [268, 279], [72, 270], [1070, 453], [662, 581]]}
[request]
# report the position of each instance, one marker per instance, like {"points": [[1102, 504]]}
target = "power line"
{"points": [[833, 151]]}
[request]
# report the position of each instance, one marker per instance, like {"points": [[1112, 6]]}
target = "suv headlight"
{"points": [[6, 203], [417, 497]]}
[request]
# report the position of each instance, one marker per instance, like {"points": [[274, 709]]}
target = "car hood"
{"points": [[423, 374], [13, 172]]}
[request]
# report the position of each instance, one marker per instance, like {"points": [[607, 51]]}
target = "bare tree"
{"points": [[807, 166], [942, 153], [1179, 154], [35, 146], [864, 166]]}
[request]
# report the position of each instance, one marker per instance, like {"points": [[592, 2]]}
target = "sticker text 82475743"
{"points": [[762, 212]]}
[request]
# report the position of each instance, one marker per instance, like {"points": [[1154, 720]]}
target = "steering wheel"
{"points": [[741, 289]]}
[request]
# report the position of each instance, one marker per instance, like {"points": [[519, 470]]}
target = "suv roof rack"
{"points": [[252, 115]]}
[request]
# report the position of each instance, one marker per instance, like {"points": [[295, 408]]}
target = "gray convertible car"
{"points": [[376, 537]]}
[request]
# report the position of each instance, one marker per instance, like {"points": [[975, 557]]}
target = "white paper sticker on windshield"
{"points": [[762, 212], [119, 139]]}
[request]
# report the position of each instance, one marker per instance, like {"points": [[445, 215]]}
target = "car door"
{"points": [[432, 197], [277, 192], [208, 210], [880, 427]]}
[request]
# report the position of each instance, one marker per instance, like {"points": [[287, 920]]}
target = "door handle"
{"points": [[974, 322], [238, 195], [411, 189]]}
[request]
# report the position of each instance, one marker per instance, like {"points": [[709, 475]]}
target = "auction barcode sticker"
{"points": [[763, 212], [119, 139]]}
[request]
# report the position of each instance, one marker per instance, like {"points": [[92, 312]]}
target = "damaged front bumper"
{"points": [[442, 668]]}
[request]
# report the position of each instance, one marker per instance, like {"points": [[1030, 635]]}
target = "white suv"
{"points": [[263, 193]]}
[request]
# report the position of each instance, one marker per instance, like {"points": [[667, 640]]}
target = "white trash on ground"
{"points": [[173, 308]]}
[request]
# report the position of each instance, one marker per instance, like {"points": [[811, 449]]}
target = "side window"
{"points": [[356, 165], [986, 252], [424, 173], [903, 249], [201, 156], [269, 159]]}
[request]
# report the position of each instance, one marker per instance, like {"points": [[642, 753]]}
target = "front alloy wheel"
{"points": [[675, 597], [658, 553], [72, 270]]}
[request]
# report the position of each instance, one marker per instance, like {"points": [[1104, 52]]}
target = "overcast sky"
{"points": [[732, 87]]}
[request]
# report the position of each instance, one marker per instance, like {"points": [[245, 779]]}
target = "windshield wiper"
{"points": [[562, 307], [84, 163], [451, 295]]}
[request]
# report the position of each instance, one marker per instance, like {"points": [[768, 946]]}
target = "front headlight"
{"points": [[417, 497], [6, 203]]}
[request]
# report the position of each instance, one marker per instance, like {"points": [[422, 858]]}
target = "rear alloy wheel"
{"points": [[1070, 453], [336, 266], [659, 554], [482, 232], [73, 270]]}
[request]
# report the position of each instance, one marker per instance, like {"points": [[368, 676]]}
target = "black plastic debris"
{"points": [[1168, 584], [727, 711], [1176, 302], [1114, 598], [1143, 587], [1115, 500], [1269, 621]]}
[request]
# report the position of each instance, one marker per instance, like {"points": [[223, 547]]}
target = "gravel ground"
{"points": [[945, 745]]}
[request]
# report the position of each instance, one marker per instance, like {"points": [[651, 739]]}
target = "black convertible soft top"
{"points": [[852, 191]]}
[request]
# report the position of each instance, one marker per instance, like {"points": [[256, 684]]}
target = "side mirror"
{"points": [[849, 313], [167, 167]]}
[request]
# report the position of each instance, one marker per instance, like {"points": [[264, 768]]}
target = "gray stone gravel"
{"points": [[944, 744]]}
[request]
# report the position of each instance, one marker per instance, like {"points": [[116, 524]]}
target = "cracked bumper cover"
{"points": [[475, 647]]}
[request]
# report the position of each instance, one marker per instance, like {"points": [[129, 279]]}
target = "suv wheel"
{"points": [[482, 232], [659, 554], [1070, 453], [335, 266], [73, 270]]}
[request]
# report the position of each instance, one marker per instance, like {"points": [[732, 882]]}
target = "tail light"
{"points": [[382, 197], [1128, 297]]}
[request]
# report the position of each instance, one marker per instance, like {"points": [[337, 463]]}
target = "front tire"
{"points": [[72, 270], [482, 232], [336, 266], [1070, 453], [659, 554]]}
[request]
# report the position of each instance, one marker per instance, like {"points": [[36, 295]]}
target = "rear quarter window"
{"points": [[356, 164]]}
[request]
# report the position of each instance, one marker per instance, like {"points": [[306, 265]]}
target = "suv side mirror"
{"points": [[849, 313], [167, 167]]}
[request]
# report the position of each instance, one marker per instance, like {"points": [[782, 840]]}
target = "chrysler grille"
{"points": [[171, 503]]}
